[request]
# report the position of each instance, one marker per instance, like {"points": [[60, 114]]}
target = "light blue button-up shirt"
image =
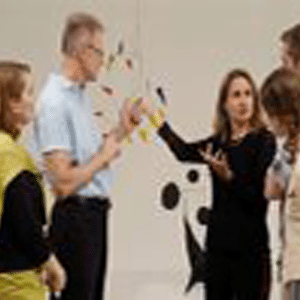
{"points": [[64, 121]]}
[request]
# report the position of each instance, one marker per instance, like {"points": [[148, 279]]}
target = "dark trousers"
{"points": [[238, 277], [293, 290], [79, 237], [265, 277]]}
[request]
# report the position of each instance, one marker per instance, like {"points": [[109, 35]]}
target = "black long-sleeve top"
{"points": [[22, 242], [238, 219]]}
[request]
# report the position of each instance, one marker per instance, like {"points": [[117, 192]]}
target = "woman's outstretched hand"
{"points": [[218, 162]]}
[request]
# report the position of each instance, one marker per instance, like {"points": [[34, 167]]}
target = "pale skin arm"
{"points": [[274, 189], [67, 179], [218, 162], [130, 117], [276, 183]]}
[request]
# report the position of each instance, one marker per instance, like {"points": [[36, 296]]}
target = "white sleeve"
{"points": [[281, 168]]}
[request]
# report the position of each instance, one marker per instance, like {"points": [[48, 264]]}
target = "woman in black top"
{"points": [[238, 153]]}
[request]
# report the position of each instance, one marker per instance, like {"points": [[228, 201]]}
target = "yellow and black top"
{"points": [[22, 209]]}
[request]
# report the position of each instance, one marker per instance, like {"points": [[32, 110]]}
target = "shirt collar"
{"points": [[68, 83]]}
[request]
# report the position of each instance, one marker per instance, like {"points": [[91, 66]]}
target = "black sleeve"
{"points": [[185, 152], [26, 202], [266, 151], [246, 184]]}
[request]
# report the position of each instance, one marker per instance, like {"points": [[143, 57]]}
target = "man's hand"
{"points": [[130, 115], [110, 149], [156, 115], [67, 177], [56, 164], [218, 162]]}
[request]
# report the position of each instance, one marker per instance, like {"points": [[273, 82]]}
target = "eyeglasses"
{"points": [[98, 51]]}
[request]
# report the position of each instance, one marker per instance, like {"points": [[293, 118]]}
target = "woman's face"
{"points": [[23, 108], [240, 103]]}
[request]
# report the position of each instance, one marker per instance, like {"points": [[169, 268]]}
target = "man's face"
{"points": [[92, 55], [287, 59]]}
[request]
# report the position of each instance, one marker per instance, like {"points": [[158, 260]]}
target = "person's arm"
{"points": [[274, 190], [24, 200], [67, 178], [278, 176], [23, 196], [53, 274], [129, 118], [185, 152], [54, 136]]}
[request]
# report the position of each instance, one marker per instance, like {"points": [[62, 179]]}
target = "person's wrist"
{"points": [[100, 160], [89, 174], [106, 158], [48, 262], [51, 258]]}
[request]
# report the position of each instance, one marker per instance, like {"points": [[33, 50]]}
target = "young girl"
{"points": [[26, 262], [238, 153], [280, 95]]}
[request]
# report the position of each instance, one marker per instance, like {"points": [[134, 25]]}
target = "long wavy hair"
{"points": [[222, 126]]}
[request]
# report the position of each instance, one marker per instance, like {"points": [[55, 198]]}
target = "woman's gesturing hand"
{"points": [[218, 162]]}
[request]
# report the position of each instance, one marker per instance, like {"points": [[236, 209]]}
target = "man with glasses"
{"points": [[77, 158]]}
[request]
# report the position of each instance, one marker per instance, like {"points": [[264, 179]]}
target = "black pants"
{"points": [[238, 277], [79, 237], [265, 278], [294, 290]]}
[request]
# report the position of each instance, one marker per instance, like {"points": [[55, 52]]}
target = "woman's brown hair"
{"points": [[12, 84], [222, 125], [280, 95]]}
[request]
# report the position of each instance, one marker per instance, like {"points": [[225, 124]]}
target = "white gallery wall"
{"points": [[187, 47]]}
